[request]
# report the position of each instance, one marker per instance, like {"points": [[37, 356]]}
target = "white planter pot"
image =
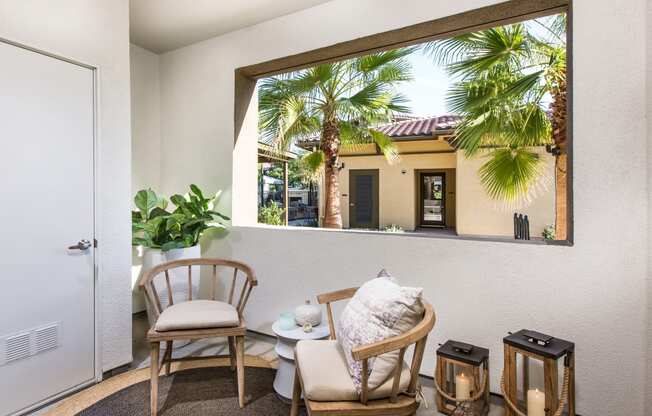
{"points": [[178, 276]]}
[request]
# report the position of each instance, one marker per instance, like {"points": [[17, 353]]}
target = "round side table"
{"points": [[286, 341]]}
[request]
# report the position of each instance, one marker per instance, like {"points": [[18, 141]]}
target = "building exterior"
{"points": [[432, 186]]}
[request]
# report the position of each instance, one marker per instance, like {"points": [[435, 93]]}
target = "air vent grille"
{"points": [[47, 338], [18, 346], [30, 342]]}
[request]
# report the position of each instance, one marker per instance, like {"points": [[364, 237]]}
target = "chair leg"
{"points": [[168, 357], [153, 365], [232, 352], [296, 395], [239, 361]]}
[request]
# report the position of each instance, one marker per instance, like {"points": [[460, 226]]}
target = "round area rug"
{"points": [[200, 391]]}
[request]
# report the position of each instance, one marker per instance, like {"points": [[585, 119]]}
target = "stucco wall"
{"points": [[477, 214], [396, 190], [593, 293], [145, 120], [649, 193], [95, 32]]}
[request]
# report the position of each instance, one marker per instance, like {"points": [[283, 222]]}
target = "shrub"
{"points": [[271, 214], [548, 233], [393, 228]]}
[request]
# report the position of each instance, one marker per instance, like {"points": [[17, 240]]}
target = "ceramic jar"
{"points": [[308, 314]]}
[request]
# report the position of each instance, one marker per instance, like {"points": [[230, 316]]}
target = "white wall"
{"points": [[649, 193], [145, 120], [95, 32], [593, 293]]}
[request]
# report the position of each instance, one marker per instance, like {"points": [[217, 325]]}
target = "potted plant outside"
{"points": [[168, 235]]}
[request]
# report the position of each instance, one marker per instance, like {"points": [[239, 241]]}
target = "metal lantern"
{"points": [[462, 379], [547, 401]]}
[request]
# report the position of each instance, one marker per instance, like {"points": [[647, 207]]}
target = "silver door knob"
{"points": [[81, 245]]}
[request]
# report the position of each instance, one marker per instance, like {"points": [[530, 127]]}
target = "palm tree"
{"points": [[341, 102], [510, 90]]}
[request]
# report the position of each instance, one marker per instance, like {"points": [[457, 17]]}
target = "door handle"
{"points": [[351, 204], [81, 245]]}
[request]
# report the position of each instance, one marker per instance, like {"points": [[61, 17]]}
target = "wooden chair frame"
{"points": [[234, 334], [398, 404]]}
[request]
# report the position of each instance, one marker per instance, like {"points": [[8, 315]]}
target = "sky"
{"points": [[427, 92]]}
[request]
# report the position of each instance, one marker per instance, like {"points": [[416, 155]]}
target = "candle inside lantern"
{"points": [[462, 387], [536, 403]]}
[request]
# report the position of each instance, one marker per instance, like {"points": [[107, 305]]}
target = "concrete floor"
{"points": [[261, 345]]}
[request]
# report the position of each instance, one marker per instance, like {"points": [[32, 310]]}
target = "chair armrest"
{"points": [[337, 295], [398, 342]]}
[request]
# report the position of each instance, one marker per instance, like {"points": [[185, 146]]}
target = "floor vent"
{"points": [[28, 343]]}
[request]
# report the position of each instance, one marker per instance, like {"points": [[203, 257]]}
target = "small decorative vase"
{"points": [[308, 314], [286, 321]]}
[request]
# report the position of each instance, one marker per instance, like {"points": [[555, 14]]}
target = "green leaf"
{"points": [[178, 200], [195, 190], [224, 217], [145, 200], [158, 212], [510, 174]]}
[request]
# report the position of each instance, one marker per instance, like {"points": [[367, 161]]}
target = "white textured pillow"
{"points": [[379, 310]]}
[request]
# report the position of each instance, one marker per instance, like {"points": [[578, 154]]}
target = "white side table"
{"points": [[286, 341]]}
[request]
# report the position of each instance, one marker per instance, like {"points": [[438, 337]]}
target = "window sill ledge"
{"points": [[412, 234]]}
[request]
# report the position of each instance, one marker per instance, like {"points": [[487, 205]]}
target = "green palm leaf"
{"points": [[510, 174]]}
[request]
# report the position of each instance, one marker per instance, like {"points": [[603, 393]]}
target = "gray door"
{"points": [[363, 199]]}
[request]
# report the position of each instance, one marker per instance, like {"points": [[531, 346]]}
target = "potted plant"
{"points": [[167, 235]]}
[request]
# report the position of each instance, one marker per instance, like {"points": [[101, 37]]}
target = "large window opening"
{"points": [[464, 135]]}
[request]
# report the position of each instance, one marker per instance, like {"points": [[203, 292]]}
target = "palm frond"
{"points": [[510, 173], [312, 164], [376, 61], [386, 146], [446, 51], [503, 45]]}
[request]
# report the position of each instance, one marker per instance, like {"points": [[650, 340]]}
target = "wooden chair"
{"points": [[192, 319], [395, 402]]}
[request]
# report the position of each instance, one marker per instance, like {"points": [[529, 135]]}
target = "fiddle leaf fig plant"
{"points": [[154, 226]]}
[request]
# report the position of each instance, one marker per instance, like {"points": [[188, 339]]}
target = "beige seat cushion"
{"points": [[326, 378], [197, 314]]}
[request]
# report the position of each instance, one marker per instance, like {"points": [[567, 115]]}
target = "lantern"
{"points": [[462, 379], [546, 400]]}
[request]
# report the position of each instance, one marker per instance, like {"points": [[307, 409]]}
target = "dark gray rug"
{"points": [[203, 391]]}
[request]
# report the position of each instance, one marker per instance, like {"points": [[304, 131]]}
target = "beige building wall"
{"points": [[477, 214], [397, 184]]}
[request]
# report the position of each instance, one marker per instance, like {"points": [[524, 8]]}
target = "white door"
{"points": [[47, 291]]}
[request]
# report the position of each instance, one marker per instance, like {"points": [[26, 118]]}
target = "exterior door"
{"points": [[363, 199], [432, 200], [47, 293]]}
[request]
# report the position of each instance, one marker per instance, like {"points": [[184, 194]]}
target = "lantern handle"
{"points": [[562, 400], [485, 382]]}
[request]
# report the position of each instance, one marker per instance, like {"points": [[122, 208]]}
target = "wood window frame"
{"points": [[477, 19]]}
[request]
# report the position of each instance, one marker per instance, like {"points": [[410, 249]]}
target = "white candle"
{"points": [[536, 403], [462, 387]]}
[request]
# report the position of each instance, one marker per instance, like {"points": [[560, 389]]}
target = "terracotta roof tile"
{"points": [[406, 126]]}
